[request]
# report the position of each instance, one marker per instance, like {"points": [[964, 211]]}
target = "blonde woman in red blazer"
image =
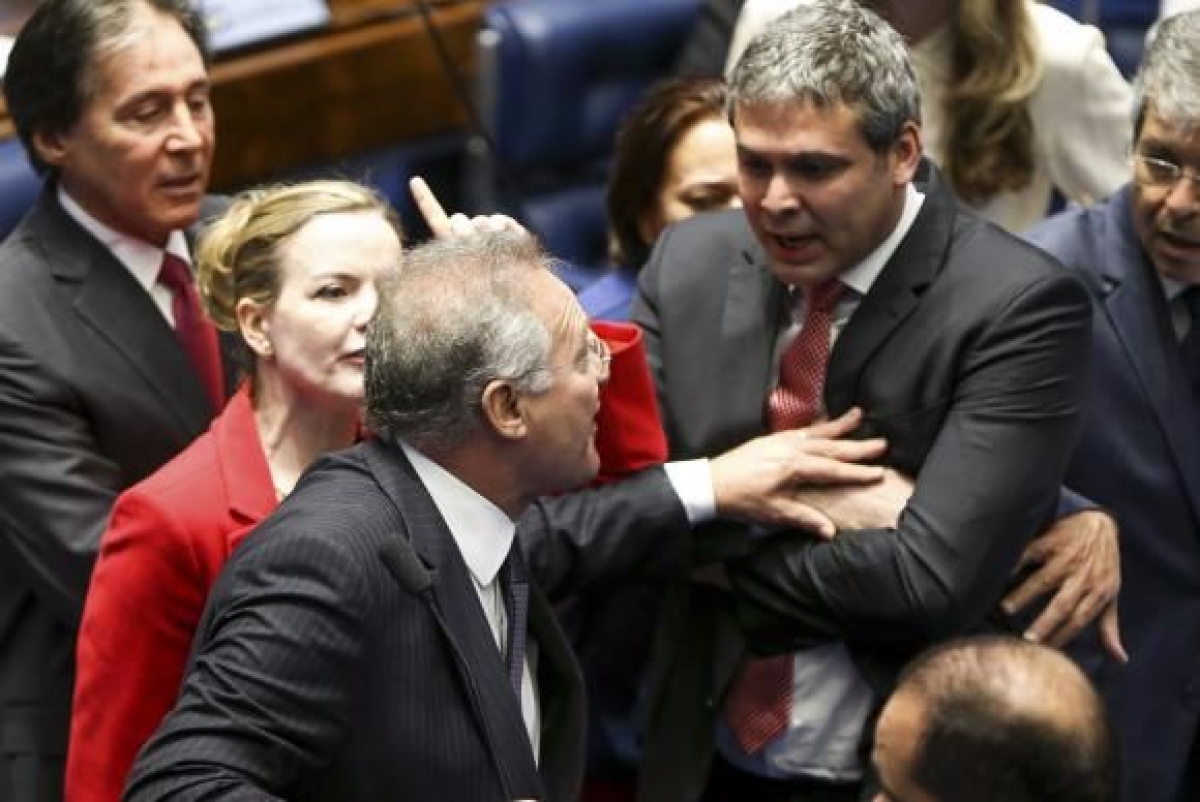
{"points": [[265, 271]]}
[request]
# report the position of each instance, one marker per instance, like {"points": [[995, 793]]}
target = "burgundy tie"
{"points": [[196, 332], [759, 703]]}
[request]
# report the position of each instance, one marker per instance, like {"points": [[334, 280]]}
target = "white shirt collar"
{"points": [[142, 259], [1171, 287], [860, 277], [483, 532]]}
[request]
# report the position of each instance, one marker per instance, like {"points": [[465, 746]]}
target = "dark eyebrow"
{"points": [[158, 92]]}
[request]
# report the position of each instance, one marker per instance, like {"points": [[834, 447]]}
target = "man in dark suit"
{"points": [[704, 50], [966, 349], [110, 98], [1139, 455], [369, 642], [995, 719]]}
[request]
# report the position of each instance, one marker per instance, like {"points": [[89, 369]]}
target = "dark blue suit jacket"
{"points": [[1139, 456]]}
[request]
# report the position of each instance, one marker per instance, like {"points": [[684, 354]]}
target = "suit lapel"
{"points": [[110, 303], [561, 695], [747, 345], [893, 296], [461, 621], [1136, 308], [245, 475]]}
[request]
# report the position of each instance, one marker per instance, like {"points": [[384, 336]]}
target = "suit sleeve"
{"points": [[58, 487], [273, 684], [143, 605], [630, 529], [989, 483], [704, 51]]}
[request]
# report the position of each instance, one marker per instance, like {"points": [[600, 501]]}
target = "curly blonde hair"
{"points": [[995, 69]]}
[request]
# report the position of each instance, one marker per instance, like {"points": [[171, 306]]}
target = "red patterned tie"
{"points": [[759, 702], [196, 332], [797, 400]]}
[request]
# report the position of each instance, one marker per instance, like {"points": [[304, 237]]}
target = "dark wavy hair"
{"points": [[644, 144], [51, 74]]}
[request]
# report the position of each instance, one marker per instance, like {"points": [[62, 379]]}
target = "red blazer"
{"points": [[166, 542], [170, 535]]}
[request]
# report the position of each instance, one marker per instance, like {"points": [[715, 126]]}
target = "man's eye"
{"points": [[815, 170], [754, 167], [146, 114]]}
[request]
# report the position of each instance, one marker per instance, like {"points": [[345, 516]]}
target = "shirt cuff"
{"points": [[692, 482]]}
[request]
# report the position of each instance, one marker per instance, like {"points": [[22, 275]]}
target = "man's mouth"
{"points": [[181, 183], [1179, 239], [794, 243]]}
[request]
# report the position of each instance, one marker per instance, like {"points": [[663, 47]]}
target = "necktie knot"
{"points": [[824, 296], [174, 274]]}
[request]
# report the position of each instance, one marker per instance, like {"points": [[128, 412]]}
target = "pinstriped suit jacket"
{"points": [[318, 675]]}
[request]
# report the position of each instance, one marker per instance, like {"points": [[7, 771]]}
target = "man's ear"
{"points": [[50, 147], [906, 154], [503, 411]]}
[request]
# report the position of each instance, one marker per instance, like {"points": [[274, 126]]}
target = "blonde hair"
{"points": [[996, 67], [238, 255]]}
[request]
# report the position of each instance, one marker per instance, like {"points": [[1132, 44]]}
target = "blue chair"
{"points": [[557, 76], [1124, 23], [19, 185]]}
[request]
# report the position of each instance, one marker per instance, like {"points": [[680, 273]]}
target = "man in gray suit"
{"points": [[105, 371], [966, 349]]}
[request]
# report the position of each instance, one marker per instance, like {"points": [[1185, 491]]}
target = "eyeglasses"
{"points": [[1162, 173], [596, 361]]}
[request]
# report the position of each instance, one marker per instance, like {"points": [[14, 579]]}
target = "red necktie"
{"points": [[196, 332], [759, 702], [796, 401]]}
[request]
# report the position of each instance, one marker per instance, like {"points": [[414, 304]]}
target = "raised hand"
{"points": [[455, 225]]}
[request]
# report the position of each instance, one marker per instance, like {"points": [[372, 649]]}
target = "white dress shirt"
{"points": [[141, 259]]}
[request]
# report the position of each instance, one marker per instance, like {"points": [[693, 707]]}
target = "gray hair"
{"points": [[457, 316], [1169, 76], [827, 53]]}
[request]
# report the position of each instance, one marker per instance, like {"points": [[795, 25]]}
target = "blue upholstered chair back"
{"points": [[19, 185], [1124, 23], [557, 76]]}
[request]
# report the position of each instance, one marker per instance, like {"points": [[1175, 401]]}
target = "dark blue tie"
{"points": [[515, 585], [1189, 346]]}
